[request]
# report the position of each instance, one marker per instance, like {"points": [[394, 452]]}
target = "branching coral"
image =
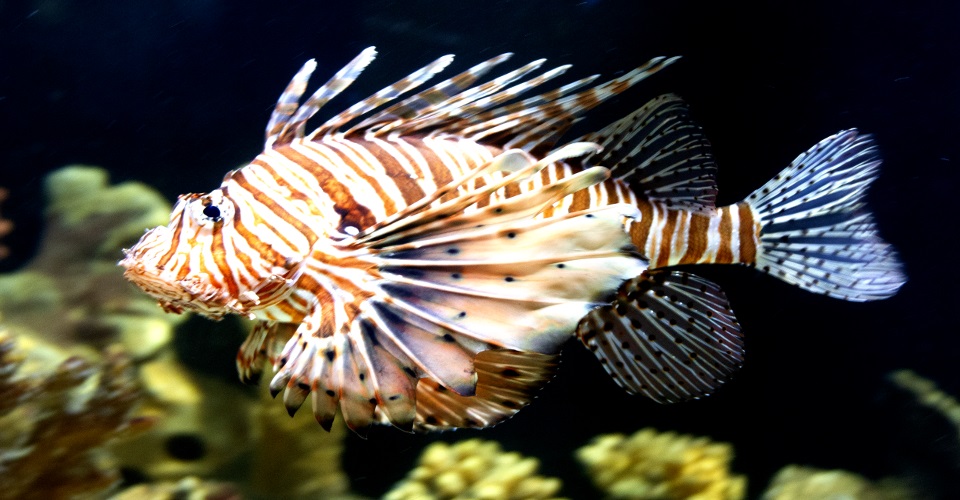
{"points": [[474, 469], [794, 482], [203, 429], [927, 394], [53, 425], [188, 488], [295, 459], [652, 465], [72, 293]]}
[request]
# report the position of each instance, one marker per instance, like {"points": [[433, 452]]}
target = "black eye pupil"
{"points": [[211, 211]]}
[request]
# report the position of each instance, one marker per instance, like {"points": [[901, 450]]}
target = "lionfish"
{"points": [[420, 258]]}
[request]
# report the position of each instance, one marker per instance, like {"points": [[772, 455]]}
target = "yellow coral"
{"points": [[188, 488], [55, 423], [204, 424], [928, 394], [795, 482], [72, 293], [295, 458], [652, 465], [474, 469]]}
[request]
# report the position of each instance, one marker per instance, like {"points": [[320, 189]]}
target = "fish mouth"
{"points": [[194, 293], [171, 298], [173, 292]]}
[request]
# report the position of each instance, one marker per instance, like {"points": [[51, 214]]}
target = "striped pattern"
{"points": [[367, 180], [668, 335], [347, 185], [670, 236], [273, 242], [421, 242], [373, 178]]}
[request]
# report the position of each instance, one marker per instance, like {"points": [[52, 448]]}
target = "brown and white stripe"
{"points": [[671, 236]]}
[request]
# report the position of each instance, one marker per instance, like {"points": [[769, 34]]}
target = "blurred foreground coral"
{"points": [[188, 488], [927, 394], [296, 458], [795, 482], [474, 469], [927, 452], [654, 465], [55, 419]]}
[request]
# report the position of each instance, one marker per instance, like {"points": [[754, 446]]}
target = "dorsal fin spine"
{"points": [[340, 81], [418, 104], [384, 95], [455, 107], [288, 102]]}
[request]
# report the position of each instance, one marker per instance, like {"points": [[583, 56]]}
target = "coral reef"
{"points": [[188, 488], [300, 461], [67, 392], [795, 482], [473, 469], [927, 394], [72, 294], [71, 301], [212, 428], [652, 465], [70, 304], [204, 425], [52, 425], [927, 451]]}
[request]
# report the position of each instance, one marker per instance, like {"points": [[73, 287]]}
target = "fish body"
{"points": [[420, 258]]}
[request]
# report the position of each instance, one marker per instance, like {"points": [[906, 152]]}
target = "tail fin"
{"points": [[815, 232]]}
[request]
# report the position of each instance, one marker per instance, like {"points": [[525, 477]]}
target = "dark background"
{"points": [[176, 93]]}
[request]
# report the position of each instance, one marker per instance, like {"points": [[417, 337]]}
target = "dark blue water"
{"points": [[175, 94]]}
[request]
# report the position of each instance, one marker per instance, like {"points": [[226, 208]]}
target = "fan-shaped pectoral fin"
{"points": [[352, 367]]}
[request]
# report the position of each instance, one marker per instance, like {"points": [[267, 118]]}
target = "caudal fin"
{"points": [[815, 230]]}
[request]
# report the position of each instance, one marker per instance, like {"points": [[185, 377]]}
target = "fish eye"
{"points": [[210, 209]]}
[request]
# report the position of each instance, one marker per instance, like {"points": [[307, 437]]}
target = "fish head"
{"points": [[197, 263]]}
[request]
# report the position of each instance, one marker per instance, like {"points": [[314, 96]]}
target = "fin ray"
{"points": [[506, 382], [289, 119], [384, 95], [660, 152], [815, 230], [456, 105], [670, 336], [421, 104], [406, 307]]}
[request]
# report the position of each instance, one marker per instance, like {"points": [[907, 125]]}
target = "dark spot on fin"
{"points": [[326, 423]]}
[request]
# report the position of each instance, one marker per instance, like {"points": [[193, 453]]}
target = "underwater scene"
{"points": [[298, 250]]}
